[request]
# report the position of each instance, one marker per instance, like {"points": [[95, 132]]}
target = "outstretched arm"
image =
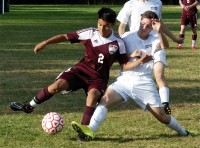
{"points": [[56, 39], [166, 31]]}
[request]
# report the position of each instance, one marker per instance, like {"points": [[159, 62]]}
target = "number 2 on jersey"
{"points": [[101, 57]]}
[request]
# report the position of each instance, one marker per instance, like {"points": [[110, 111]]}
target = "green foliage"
{"points": [[23, 73]]}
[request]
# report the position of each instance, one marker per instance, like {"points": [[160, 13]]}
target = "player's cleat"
{"points": [[192, 133], [27, 108], [167, 108], [81, 138], [194, 47], [84, 132], [187, 133], [178, 47]]}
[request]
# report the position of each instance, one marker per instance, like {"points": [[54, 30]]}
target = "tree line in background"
{"points": [[89, 2]]}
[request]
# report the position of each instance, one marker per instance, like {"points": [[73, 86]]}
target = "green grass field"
{"points": [[23, 73]]}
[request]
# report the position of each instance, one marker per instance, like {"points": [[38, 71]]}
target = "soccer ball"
{"points": [[52, 123]]}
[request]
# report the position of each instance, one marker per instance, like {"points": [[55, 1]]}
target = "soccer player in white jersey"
{"points": [[131, 14], [136, 83]]}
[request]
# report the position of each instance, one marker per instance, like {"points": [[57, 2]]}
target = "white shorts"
{"points": [[160, 56], [140, 88]]}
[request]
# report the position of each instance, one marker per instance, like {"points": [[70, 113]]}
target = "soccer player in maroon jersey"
{"points": [[102, 48], [189, 16]]}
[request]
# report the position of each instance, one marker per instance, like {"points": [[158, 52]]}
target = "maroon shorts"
{"points": [[189, 19], [78, 80]]}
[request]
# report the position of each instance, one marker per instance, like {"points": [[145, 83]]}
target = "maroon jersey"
{"points": [[191, 11], [100, 52]]}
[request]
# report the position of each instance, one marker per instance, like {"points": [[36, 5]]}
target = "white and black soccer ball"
{"points": [[52, 123]]}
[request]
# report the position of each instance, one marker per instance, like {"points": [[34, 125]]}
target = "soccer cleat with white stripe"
{"points": [[16, 106]]}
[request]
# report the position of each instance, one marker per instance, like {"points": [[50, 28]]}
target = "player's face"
{"points": [[105, 28], [145, 28]]}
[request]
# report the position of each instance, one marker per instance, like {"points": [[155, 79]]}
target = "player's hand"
{"points": [[156, 25], [136, 54], [39, 46], [186, 8], [167, 108], [146, 58]]}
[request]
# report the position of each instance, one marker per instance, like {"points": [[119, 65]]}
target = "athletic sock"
{"points": [[193, 42], [33, 103], [42, 96], [181, 36], [194, 38], [98, 117], [176, 126], [87, 115], [164, 94]]}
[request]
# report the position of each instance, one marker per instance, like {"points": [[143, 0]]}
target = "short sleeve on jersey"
{"points": [[124, 14], [80, 35]]}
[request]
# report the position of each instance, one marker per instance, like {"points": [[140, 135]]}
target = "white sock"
{"points": [[98, 117], [32, 103], [193, 42], [164, 94], [176, 126]]}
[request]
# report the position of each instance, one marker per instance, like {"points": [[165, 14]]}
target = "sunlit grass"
{"points": [[23, 73]]}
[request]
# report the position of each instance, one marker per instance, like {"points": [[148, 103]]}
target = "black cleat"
{"points": [[166, 107], [27, 108], [188, 133], [81, 138]]}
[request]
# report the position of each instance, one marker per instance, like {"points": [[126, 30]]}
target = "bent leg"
{"points": [[47, 92], [92, 98], [169, 120], [43, 95], [110, 98], [159, 70]]}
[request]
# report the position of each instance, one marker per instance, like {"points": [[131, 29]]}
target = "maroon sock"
{"points": [[181, 35], [42, 95], [194, 37], [87, 115]]}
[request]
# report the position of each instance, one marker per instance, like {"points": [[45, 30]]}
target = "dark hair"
{"points": [[107, 14], [149, 15]]}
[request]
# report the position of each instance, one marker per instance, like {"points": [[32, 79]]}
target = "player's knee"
{"points": [[54, 88], [164, 119], [160, 78], [95, 93], [105, 101]]}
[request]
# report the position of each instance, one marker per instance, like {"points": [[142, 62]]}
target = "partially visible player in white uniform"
{"points": [[130, 15], [136, 83]]}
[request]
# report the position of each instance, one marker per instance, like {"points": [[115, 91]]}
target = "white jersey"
{"points": [[133, 9], [138, 83], [148, 46]]}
